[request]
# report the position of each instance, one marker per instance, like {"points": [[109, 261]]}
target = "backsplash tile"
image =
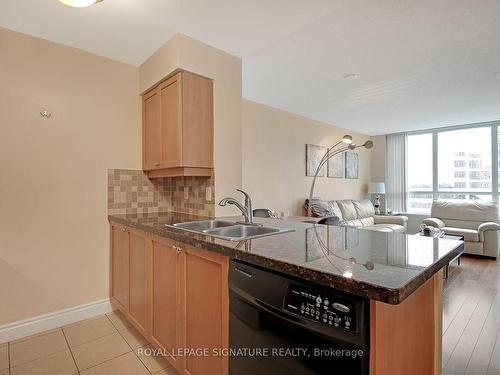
{"points": [[131, 191]]}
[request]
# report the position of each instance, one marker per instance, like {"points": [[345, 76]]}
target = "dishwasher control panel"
{"points": [[321, 307]]}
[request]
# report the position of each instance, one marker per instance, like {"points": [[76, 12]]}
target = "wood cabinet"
{"points": [[207, 309], [138, 279], [178, 127], [129, 276], [119, 266], [176, 295], [407, 338], [167, 299]]}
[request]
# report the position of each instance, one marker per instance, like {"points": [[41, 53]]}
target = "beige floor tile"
{"points": [[55, 364], [127, 364], [133, 337], [35, 335], [152, 362], [118, 320], [95, 352], [88, 330], [37, 347], [4, 358]]}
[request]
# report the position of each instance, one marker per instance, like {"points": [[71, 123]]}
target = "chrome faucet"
{"points": [[246, 210]]}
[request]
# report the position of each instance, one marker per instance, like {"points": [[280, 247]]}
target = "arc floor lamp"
{"points": [[331, 152]]}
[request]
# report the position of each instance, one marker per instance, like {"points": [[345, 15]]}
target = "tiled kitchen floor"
{"points": [[105, 345]]}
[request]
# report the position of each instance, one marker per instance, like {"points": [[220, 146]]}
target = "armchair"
{"points": [[476, 221]]}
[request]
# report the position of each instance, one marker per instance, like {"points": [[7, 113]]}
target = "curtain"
{"points": [[396, 172]]}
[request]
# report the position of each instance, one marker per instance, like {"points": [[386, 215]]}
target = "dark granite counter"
{"points": [[386, 267]]}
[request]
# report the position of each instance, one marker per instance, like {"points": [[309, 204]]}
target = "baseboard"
{"points": [[28, 327]]}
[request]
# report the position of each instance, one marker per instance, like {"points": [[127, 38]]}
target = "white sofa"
{"points": [[358, 214], [476, 221]]}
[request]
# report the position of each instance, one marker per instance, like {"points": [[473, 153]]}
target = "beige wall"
{"points": [[53, 196], [225, 69], [53, 230], [274, 159], [161, 63]]}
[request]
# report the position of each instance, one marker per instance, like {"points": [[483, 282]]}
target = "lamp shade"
{"points": [[376, 188]]}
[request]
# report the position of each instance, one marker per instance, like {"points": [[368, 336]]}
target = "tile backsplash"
{"points": [[131, 192]]}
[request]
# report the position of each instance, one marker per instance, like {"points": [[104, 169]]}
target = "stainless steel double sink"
{"points": [[229, 230]]}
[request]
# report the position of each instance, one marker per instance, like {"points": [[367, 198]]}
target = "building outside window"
{"points": [[461, 169]]}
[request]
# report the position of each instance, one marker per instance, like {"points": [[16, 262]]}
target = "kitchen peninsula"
{"points": [[173, 285]]}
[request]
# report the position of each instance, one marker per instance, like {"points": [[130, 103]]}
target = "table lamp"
{"points": [[376, 188]]}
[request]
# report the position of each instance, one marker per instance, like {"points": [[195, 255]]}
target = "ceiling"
{"points": [[419, 64]]}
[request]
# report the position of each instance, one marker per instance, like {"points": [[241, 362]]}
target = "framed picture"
{"points": [[351, 165], [336, 166], [314, 153]]}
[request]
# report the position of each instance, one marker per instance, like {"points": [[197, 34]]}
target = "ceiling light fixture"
{"points": [[80, 3]]}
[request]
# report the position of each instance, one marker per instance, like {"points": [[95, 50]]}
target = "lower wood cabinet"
{"points": [[207, 309], [167, 299], [129, 276], [119, 266], [175, 294], [138, 279]]}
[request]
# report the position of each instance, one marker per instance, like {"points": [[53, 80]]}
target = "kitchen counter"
{"points": [[385, 267]]}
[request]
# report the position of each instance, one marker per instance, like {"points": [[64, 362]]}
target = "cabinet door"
{"points": [[151, 128], [171, 125], [197, 121], [207, 309], [138, 282], [167, 298], [120, 266]]}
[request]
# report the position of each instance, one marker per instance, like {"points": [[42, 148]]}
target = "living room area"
{"points": [[443, 183], [447, 179]]}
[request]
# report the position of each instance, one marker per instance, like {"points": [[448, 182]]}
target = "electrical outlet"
{"points": [[186, 192], [208, 194]]}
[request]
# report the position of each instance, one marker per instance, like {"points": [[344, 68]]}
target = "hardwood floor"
{"points": [[471, 320]]}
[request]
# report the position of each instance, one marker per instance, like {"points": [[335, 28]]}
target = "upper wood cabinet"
{"points": [[178, 127]]}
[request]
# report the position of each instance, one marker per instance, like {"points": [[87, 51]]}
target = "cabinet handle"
{"points": [[157, 164]]}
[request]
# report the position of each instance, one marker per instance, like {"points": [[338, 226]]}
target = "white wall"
{"points": [[274, 144], [378, 158]]}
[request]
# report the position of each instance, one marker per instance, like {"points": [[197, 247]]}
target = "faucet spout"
{"points": [[245, 210]]}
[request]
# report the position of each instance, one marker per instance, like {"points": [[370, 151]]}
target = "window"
{"points": [[461, 169], [419, 173], [480, 175], [475, 164], [475, 146]]}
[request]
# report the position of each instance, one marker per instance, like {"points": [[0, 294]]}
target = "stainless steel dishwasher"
{"points": [[281, 325]]}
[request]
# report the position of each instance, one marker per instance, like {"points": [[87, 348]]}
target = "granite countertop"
{"points": [[386, 267]]}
